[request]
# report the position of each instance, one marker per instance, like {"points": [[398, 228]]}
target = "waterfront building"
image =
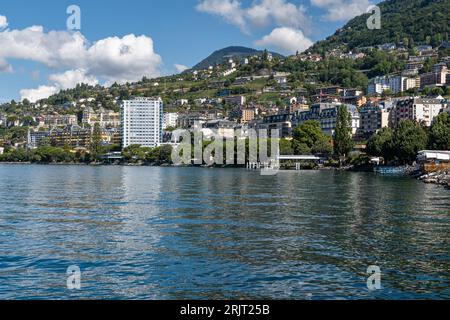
{"points": [[142, 121], [373, 118], [326, 114], [280, 122], [434, 160], [72, 136], [218, 128], [422, 110]]}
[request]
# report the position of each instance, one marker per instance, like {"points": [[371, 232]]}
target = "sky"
{"points": [[122, 41]]}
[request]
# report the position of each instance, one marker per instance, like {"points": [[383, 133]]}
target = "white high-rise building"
{"points": [[142, 122]]}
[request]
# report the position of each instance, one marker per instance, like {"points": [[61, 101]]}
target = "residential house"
{"points": [[436, 78], [422, 110]]}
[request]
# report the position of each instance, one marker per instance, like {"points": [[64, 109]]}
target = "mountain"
{"points": [[221, 56], [422, 21]]}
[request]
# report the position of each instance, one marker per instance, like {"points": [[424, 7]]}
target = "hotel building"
{"points": [[142, 122]]}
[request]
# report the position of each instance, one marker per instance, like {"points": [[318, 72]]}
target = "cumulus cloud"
{"points": [[261, 13], [180, 68], [71, 78], [286, 40], [42, 92], [230, 10], [3, 22], [111, 59], [342, 10], [62, 81]]}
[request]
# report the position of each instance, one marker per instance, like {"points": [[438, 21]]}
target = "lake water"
{"points": [[195, 233]]}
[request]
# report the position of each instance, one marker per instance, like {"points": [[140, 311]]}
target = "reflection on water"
{"points": [[177, 233]]}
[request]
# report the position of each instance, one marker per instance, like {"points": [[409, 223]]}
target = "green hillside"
{"points": [[402, 21], [223, 55]]}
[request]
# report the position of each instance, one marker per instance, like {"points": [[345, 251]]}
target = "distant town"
{"points": [[126, 123]]}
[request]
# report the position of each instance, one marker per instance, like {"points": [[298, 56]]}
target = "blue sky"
{"points": [[182, 32]]}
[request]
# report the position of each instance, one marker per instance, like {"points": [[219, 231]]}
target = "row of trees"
{"points": [[404, 142], [308, 138], [49, 154], [46, 154], [138, 154]]}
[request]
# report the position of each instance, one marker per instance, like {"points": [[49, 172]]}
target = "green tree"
{"points": [[160, 155], [380, 144], [286, 147], [440, 132], [96, 142], [437, 91], [309, 138], [409, 138], [343, 142], [136, 153]]}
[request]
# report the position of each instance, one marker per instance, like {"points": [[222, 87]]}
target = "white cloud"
{"points": [[3, 22], [71, 78], [124, 59], [62, 81], [111, 59], [261, 13], [42, 92], [283, 13], [116, 59], [342, 10], [180, 68], [287, 40], [230, 10]]}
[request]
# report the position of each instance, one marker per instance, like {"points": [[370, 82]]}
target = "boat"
{"points": [[389, 170]]}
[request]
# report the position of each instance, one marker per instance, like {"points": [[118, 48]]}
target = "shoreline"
{"points": [[436, 178]]}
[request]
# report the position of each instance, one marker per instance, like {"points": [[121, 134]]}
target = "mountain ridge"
{"points": [[222, 55], [418, 21]]}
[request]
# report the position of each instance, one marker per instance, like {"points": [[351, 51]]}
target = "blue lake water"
{"points": [[194, 233]]}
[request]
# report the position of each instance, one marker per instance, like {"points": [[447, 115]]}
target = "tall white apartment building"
{"points": [[142, 122]]}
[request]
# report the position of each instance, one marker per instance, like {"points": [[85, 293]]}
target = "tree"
{"points": [[409, 138], [309, 138], [440, 132], [160, 155], [343, 142], [136, 153], [380, 144], [286, 147], [437, 91], [96, 143]]}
